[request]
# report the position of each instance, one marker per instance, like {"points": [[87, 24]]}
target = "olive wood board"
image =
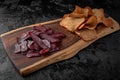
{"points": [[70, 46]]}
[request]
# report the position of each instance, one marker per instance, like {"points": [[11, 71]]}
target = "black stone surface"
{"points": [[99, 61]]}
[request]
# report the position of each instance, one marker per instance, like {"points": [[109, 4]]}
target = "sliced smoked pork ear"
{"points": [[71, 23], [86, 34]]}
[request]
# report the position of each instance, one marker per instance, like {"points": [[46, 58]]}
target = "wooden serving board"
{"points": [[70, 46]]}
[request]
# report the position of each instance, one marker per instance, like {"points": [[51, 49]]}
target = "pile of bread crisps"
{"points": [[85, 22]]}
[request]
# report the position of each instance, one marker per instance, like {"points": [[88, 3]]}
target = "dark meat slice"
{"points": [[32, 53], [44, 51], [36, 47], [49, 38], [24, 53], [57, 35], [24, 37], [47, 28], [50, 31], [36, 32], [31, 46], [17, 48], [24, 46], [37, 40], [30, 43], [46, 42], [41, 28], [54, 47]]}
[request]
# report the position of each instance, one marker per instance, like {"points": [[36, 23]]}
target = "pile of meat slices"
{"points": [[41, 40], [85, 21]]}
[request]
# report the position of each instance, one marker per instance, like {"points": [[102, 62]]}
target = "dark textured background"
{"points": [[99, 61]]}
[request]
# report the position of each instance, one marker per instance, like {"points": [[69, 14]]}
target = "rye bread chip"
{"points": [[92, 20], [77, 15], [78, 10], [91, 23], [81, 12], [99, 13], [86, 34], [71, 23], [89, 10], [81, 26], [85, 12], [100, 27], [107, 22], [66, 15]]}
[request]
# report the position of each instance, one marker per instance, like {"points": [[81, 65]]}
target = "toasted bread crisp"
{"points": [[78, 10], [99, 13], [81, 12], [71, 23], [77, 15], [81, 26], [107, 22], [84, 22], [89, 11], [91, 23], [66, 15], [87, 34]]}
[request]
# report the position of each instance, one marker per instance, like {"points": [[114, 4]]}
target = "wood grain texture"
{"points": [[70, 46]]}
